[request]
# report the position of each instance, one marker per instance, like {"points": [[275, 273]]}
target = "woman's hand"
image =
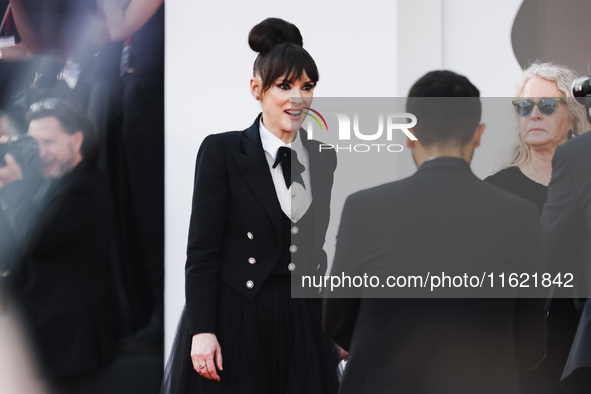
{"points": [[204, 350]]}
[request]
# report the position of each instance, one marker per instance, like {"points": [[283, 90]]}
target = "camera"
{"points": [[25, 151], [582, 91]]}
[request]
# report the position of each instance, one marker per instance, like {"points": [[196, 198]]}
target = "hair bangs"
{"points": [[288, 61]]}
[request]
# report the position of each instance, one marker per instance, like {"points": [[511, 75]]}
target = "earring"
{"points": [[570, 134]]}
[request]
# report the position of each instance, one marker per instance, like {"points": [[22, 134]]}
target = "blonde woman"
{"points": [[547, 116]]}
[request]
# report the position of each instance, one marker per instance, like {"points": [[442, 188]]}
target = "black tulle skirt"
{"points": [[271, 345]]}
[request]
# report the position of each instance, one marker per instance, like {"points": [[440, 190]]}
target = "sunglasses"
{"points": [[47, 105], [547, 106]]}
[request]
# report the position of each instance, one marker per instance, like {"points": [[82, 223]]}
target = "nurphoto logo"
{"points": [[388, 124], [315, 118]]}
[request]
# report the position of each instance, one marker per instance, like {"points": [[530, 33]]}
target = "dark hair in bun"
{"points": [[279, 44]]}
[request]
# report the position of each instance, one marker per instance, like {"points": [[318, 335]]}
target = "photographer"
{"points": [[61, 227]]}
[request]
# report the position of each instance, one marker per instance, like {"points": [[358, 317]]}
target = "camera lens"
{"points": [[581, 88]]}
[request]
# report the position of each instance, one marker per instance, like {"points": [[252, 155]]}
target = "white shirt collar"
{"points": [[272, 143]]}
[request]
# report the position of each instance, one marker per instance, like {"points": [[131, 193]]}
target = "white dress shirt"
{"points": [[296, 199]]}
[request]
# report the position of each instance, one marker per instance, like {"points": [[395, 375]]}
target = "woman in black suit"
{"points": [[254, 224]]}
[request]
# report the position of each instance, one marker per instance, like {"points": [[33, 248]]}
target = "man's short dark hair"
{"points": [[72, 120], [447, 107]]}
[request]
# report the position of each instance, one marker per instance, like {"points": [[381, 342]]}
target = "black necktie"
{"points": [[290, 166]]}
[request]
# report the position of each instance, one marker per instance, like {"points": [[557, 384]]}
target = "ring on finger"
{"points": [[201, 366]]}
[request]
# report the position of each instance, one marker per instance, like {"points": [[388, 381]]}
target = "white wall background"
{"points": [[371, 48]]}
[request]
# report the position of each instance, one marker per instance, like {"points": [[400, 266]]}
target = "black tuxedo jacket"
{"points": [[237, 226], [441, 217], [566, 219], [64, 281]]}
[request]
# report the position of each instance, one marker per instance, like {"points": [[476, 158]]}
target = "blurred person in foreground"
{"points": [[442, 217], [18, 370], [547, 116], [60, 224]]}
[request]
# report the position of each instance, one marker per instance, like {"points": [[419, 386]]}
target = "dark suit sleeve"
{"points": [[340, 313], [327, 182], [70, 217], [67, 214], [560, 215], [530, 332], [206, 234], [16, 220]]}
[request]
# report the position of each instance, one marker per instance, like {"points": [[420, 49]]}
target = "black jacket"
{"points": [[566, 219], [442, 217], [233, 196]]}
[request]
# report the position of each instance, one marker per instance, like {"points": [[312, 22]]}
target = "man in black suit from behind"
{"points": [[442, 218], [60, 225]]}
